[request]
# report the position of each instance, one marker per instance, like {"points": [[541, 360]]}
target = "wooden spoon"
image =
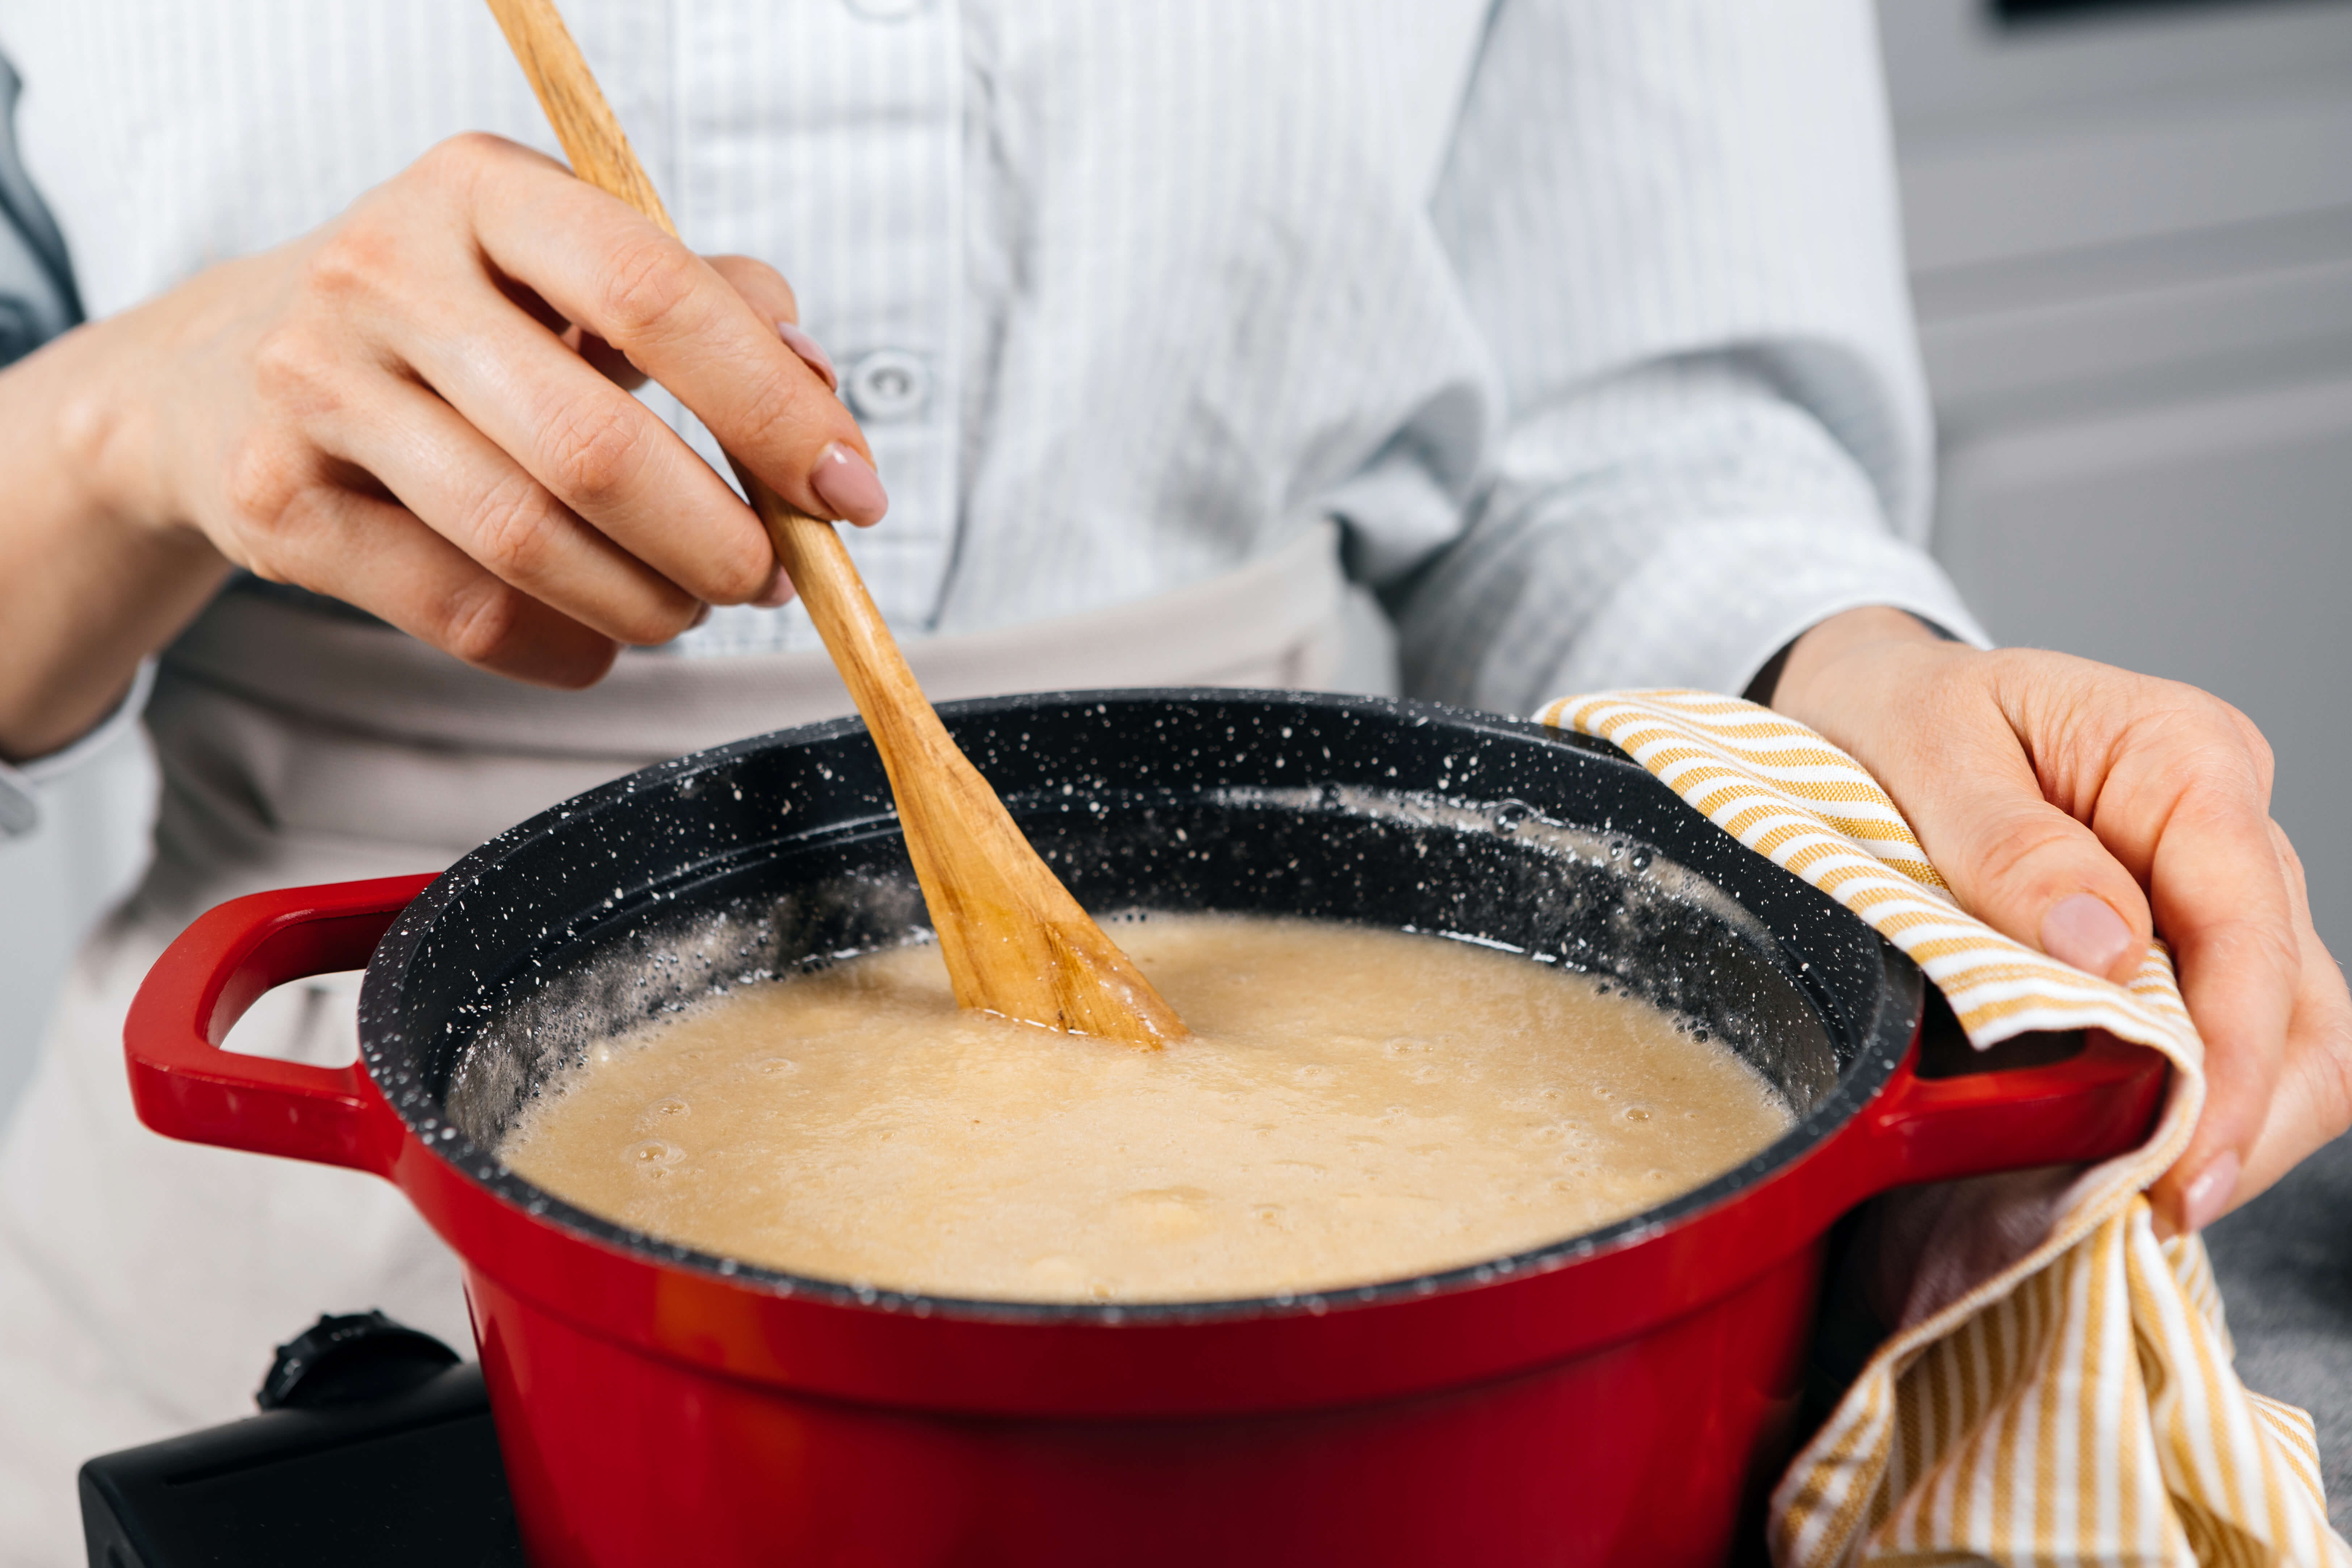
{"points": [[1016, 943]]}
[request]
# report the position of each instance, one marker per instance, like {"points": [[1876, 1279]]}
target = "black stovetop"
{"points": [[396, 1480]]}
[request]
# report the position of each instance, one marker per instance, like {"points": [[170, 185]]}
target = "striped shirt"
{"points": [[1585, 318]]}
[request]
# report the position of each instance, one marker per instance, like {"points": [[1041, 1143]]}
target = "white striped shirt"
{"points": [[1586, 318]]}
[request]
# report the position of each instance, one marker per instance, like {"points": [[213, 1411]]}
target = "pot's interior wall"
{"points": [[662, 955], [1597, 901]]}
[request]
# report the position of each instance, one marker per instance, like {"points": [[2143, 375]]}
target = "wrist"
{"points": [[1823, 656], [103, 433], [93, 576]]}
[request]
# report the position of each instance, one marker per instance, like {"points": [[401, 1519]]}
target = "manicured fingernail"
{"points": [[2203, 1200], [811, 351], [2086, 932], [778, 592], [844, 482]]}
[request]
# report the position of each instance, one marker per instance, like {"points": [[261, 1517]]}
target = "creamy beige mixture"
{"points": [[1354, 1106]]}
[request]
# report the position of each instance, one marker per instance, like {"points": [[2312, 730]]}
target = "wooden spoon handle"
{"points": [[593, 138], [1015, 940], [811, 548]]}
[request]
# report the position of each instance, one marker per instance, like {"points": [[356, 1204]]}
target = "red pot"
{"points": [[1618, 1397]]}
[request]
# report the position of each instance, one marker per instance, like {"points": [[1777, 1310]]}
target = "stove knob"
{"points": [[350, 1359]]}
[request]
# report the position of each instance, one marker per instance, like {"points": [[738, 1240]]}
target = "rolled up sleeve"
{"points": [[21, 783]]}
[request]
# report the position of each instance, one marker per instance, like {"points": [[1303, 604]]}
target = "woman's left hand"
{"points": [[2079, 808]]}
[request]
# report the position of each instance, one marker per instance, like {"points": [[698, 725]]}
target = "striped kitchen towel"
{"points": [[2061, 1388]]}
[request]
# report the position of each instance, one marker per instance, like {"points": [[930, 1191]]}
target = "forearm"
{"points": [[93, 577]]}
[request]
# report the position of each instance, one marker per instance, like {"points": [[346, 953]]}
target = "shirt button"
{"points": [[888, 384], [886, 10]]}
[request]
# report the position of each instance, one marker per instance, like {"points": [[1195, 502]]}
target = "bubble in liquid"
{"points": [[1167, 1213], [1637, 1112], [652, 1159], [777, 1065]]}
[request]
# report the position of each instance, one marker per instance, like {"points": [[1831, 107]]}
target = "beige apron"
{"points": [[142, 1280]]}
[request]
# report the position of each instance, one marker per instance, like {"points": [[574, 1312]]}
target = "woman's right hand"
{"points": [[421, 409]]}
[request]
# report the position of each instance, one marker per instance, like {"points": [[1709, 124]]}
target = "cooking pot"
{"points": [[1619, 1396]]}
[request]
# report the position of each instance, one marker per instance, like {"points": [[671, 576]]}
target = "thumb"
{"points": [[2031, 871]]}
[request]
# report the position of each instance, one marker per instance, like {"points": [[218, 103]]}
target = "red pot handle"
{"points": [[185, 1086], [2093, 1106]]}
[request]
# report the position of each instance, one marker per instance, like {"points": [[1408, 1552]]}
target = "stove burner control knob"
{"points": [[351, 1359]]}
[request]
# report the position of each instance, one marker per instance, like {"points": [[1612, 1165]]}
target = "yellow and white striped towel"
{"points": [[2066, 1394]]}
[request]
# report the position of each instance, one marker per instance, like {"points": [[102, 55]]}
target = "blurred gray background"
{"points": [[2130, 232]]}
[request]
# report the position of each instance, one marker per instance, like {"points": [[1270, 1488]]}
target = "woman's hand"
{"points": [[422, 409], [2077, 808]]}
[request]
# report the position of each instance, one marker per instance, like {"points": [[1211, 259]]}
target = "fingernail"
{"points": [[2202, 1203], [811, 351], [844, 482], [778, 592], [2086, 932]]}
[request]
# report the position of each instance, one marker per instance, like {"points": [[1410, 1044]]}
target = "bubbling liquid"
{"points": [[1354, 1106]]}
